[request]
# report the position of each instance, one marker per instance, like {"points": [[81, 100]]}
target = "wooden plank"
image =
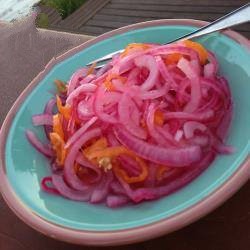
{"points": [[108, 24], [117, 13], [57, 21], [55, 18], [126, 19], [53, 15], [159, 15], [186, 2], [98, 6], [244, 33], [174, 8], [57, 29], [84, 10], [84, 13], [131, 20], [94, 30], [47, 10], [243, 27]]}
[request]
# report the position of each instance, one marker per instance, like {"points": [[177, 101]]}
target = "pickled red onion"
{"points": [[165, 114]]}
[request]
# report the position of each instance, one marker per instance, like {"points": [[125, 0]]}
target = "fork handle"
{"points": [[238, 16]]}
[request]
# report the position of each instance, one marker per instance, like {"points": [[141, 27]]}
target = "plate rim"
{"points": [[123, 236]]}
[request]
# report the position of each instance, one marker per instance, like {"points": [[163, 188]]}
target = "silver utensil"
{"points": [[236, 17]]}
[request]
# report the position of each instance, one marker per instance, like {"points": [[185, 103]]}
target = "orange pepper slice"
{"points": [[108, 84], [64, 110], [134, 46], [109, 152], [57, 125], [160, 171], [202, 52], [58, 146], [133, 179], [91, 69], [175, 57], [158, 118], [113, 152], [61, 86], [99, 144], [172, 58], [121, 78]]}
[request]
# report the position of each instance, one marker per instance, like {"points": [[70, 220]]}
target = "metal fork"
{"points": [[238, 16]]}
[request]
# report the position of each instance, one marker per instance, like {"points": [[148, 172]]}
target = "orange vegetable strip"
{"points": [[160, 171], [158, 118], [64, 110], [91, 69], [202, 52], [58, 146], [57, 125], [112, 152], [100, 144]]}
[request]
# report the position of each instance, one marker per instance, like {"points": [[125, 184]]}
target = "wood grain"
{"points": [[117, 13]]}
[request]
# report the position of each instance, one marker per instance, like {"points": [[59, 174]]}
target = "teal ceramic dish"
{"points": [[22, 167]]}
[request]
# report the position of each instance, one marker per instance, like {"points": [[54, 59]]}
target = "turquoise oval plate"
{"points": [[22, 167]]}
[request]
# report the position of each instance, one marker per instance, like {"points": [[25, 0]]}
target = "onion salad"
{"points": [[141, 127]]}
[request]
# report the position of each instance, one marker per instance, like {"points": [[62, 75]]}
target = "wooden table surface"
{"points": [[24, 52], [98, 16]]}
